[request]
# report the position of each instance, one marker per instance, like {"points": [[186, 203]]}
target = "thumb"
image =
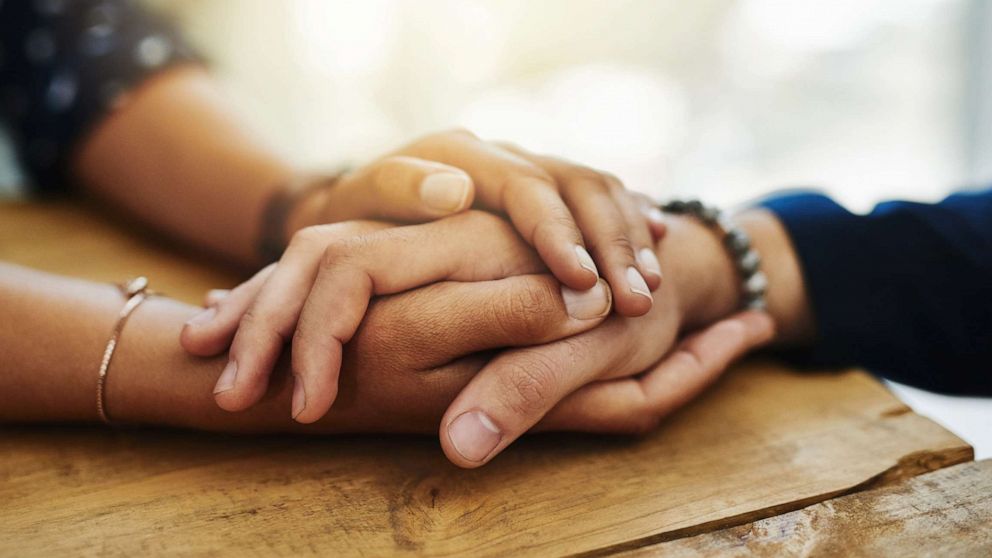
{"points": [[400, 188], [636, 404]]}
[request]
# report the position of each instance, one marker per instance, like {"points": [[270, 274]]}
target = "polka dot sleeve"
{"points": [[66, 63]]}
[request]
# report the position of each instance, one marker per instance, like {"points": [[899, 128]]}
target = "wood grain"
{"points": [[944, 513], [764, 441]]}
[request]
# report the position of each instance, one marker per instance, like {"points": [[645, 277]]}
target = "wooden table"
{"points": [[768, 460]]}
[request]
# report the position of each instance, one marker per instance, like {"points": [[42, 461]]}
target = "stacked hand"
{"points": [[566, 363]]}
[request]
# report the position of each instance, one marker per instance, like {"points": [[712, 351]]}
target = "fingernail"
{"points": [[649, 261], [216, 295], [586, 305], [445, 191], [654, 214], [204, 317], [474, 435], [585, 260], [299, 397], [227, 378], [636, 282]]}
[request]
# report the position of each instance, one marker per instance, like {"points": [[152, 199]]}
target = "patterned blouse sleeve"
{"points": [[64, 64]]}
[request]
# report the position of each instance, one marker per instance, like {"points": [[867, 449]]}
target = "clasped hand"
{"points": [[505, 320]]}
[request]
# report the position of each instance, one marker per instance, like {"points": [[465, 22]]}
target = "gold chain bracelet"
{"points": [[136, 291]]}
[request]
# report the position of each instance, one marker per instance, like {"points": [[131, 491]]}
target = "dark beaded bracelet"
{"points": [[754, 284], [272, 238]]}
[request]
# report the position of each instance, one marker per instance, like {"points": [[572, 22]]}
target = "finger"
{"points": [[268, 322], [351, 272], [390, 361], [528, 195], [210, 332], [656, 219], [516, 389], [636, 405], [606, 230], [432, 326], [400, 188], [214, 296], [639, 232]]}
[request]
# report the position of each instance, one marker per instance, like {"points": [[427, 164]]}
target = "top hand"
{"points": [[558, 207]]}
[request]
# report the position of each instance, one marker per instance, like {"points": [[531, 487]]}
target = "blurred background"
{"points": [[718, 98], [722, 99]]}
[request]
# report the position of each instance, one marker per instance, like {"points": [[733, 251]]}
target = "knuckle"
{"points": [[334, 252], [320, 236], [529, 385], [554, 225], [520, 313], [260, 325], [621, 242], [342, 250], [590, 177], [308, 237], [388, 172], [250, 319], [560, 219], [613, 238], [526, 179], [613, 182], [380, 172]]}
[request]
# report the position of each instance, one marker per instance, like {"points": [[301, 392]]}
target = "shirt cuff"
{"points": [[836, 255]]}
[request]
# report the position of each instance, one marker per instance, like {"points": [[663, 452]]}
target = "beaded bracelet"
{"points": [[754, 284], [272, 235]]}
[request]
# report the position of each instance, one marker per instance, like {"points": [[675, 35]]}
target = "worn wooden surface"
{"points": [[764, 441], [71, 240], [944, 513]]}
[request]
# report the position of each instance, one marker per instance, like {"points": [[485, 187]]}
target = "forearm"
{"points": [[54, 331], [177, 158]]}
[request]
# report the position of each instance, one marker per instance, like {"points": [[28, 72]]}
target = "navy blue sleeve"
{"points": [[905, 291], [64, 64]]}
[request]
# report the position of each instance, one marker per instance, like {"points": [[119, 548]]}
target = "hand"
{"points": [[350, 274], [318, 293], [412, 354], [391, 386], [405, 387], [578, 383], [572, 383], [558, 207]]}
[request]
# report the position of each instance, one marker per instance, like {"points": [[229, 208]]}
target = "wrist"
{"points": [[296, 203], [153, 381], [309, 205], [707, 286], [701, 270], [787, 298]]}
